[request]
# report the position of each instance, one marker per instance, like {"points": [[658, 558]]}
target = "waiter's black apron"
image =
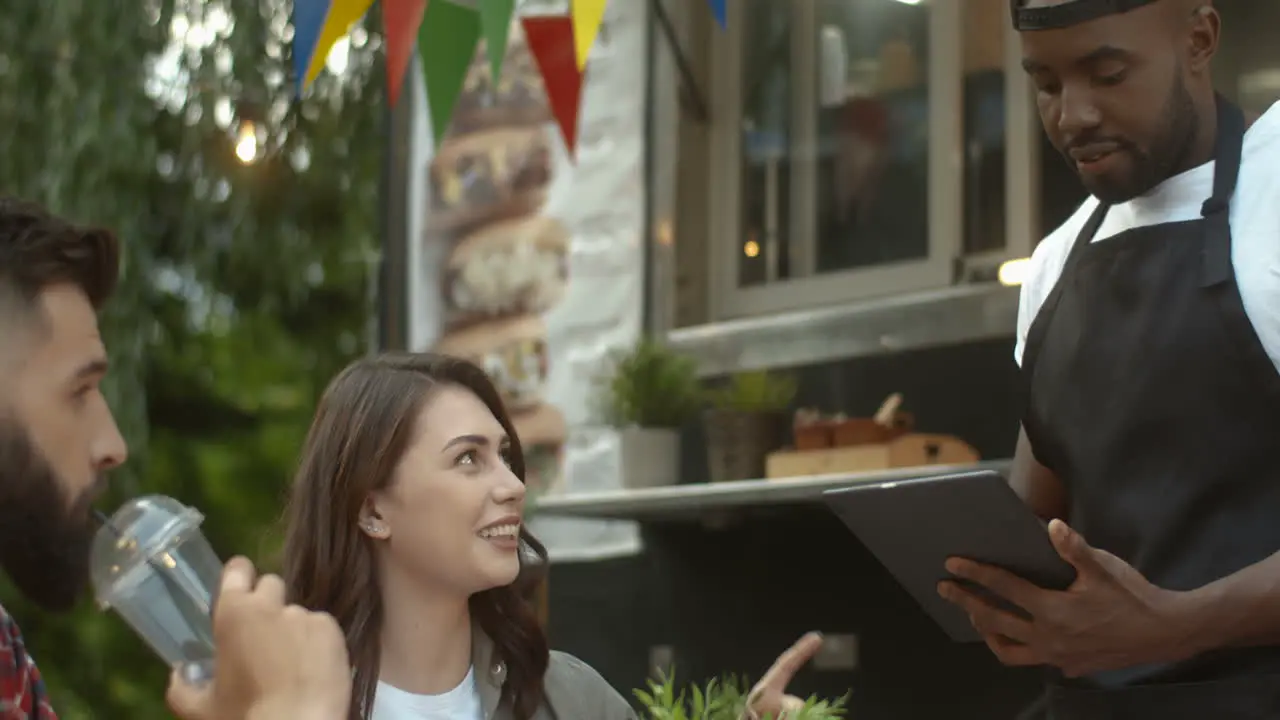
{"points": [[1153, 400]]}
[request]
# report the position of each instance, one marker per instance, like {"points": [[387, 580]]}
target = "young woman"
{"points": [[404, 523]]}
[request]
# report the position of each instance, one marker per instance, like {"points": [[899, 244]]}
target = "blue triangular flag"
{"points": [[718, 9], [308, 21]]}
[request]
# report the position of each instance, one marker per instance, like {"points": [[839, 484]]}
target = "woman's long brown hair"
{"points": [[361, 429]]}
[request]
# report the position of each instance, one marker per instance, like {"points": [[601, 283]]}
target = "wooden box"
{"points": [[910, 450]]}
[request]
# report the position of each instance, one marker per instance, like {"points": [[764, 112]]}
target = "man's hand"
{"points": [[1110, 618], [273, 660], [769, 697]]}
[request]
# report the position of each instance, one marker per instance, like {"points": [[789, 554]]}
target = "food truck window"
{"points": [[835, 130]]}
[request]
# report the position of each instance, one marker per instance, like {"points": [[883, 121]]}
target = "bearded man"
{"points": [[59, 441]]}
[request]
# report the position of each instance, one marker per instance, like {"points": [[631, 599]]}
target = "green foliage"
{"points": [[722, 698], [244, 288], [756, 391], [651, 386]]}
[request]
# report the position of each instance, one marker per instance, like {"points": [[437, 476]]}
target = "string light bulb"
{"points": [[247, 148]]}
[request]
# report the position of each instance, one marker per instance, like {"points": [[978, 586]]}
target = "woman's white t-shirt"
{"points": [[460, 703]]}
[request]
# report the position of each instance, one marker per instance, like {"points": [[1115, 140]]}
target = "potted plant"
{"points": [[720, 699], [747, 421], [649, 393]]}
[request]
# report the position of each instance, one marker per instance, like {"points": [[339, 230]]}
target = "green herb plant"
{"points": [[756, 391], [650, 386], [723, 698]]}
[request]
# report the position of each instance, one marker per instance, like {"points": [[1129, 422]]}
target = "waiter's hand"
{"points": [[274, 661], [769, 698], [1110, 618]]}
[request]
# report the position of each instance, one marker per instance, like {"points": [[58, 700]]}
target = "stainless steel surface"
{"points": [[696, 98], [662, 150], [698, 499], [891, 324], [1022, 139]]}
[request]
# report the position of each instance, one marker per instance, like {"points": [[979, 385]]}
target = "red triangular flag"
{"points": [[550, 39], [400, 20]]}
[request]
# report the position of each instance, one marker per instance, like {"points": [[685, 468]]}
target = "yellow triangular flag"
{"points": [[587, 16], [341, 16]]}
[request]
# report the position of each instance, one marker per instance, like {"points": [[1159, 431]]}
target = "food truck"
{"points": [[831, 201]]}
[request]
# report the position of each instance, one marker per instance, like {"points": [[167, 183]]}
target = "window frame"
{"points": [[944, 264], [1022, 137]]}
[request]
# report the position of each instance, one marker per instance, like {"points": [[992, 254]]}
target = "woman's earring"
{"points": [[372, 527]]}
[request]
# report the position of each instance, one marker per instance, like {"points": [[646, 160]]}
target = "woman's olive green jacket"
{"points": [[572, 689]]}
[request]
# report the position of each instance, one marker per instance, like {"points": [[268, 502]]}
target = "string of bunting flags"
{"points": [[720, 11], [447, 33]]}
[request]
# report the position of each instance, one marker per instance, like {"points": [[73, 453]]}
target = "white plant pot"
{"points": [[650, 457]]}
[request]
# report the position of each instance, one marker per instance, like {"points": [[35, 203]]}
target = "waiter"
{"points": [[1149, 338]]}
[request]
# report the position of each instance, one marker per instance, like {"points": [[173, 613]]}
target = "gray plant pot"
{"points": [[650, 457]]}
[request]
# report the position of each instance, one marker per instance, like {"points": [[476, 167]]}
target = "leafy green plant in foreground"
{"points": [[723, 698]]}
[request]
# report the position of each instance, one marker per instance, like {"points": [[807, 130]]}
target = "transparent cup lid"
{"points": [[137, 533]]}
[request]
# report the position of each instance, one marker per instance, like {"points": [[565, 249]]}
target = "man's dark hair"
{"points": [[39, 249]]}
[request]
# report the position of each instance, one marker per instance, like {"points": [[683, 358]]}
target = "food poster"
{"points": [[530, 263]]}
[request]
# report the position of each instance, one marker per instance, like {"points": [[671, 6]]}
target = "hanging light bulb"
{"points": [[255, 136], [247, 146]]}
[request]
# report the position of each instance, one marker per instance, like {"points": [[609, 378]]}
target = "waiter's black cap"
{"points": [[1066, 14]]}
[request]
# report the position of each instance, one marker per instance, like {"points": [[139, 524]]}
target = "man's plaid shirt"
{"points": [[22, 693]]}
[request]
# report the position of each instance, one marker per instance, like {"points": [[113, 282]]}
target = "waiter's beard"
{"points": [[1167, 155], [44, 539]]}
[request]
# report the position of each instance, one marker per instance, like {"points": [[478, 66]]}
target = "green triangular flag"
{"points": [[495, 21], [447, 42]]}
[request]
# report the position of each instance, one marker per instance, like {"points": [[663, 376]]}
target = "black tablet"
{"points": [[913, 526]]}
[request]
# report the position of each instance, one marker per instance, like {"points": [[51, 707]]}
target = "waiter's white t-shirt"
{"points": [[1255, 232], [460, 703]]}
